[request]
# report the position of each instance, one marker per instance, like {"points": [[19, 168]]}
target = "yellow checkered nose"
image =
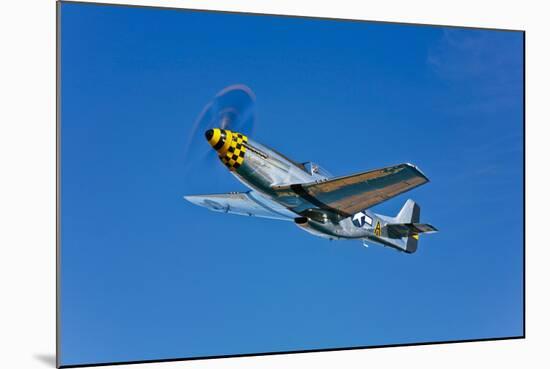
{"points": [[214, 138], [229, 145]]}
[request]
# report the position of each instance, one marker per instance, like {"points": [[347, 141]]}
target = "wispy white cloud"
{"points": [[487, 65]]}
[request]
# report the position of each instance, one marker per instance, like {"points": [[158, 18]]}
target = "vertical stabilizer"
{"points": [[409, 213]]}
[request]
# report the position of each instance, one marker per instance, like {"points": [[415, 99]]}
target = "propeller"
{"points": [[232, 108]]}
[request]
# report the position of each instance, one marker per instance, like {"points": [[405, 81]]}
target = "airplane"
{"points": [[317, 202]]}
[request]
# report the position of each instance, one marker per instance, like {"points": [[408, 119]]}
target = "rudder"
{"points": [[409, 213]]}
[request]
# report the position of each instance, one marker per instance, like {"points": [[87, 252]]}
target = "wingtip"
{"points": [[192, 199], [415, 167]]}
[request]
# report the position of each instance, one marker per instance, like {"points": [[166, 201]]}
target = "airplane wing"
{"points": [[242, 203], [348, 195]]}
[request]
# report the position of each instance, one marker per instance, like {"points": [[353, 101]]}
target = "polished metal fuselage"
{"points": [[264, 169]]}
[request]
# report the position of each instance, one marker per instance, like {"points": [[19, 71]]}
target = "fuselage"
{"points": [[262, 169]]}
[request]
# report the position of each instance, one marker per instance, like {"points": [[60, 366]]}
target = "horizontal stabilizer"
{"points": [[408, 229]]}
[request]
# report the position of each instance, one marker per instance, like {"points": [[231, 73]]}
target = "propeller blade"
{"points": [[232, 108]]}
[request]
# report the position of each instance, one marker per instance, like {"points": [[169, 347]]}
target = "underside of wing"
{"points": [[350, 194], [242, 203]]}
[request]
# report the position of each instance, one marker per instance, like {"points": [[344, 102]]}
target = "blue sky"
{"points": [[146, 275]]}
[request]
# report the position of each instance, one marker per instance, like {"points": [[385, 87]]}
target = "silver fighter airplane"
{"points": [[323, 205]]}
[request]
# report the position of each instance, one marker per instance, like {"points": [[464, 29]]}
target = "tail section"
{"points": [[409, 213], [406, 227]]}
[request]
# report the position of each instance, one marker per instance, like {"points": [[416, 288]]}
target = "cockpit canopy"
{"points": [[316, 170]]}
